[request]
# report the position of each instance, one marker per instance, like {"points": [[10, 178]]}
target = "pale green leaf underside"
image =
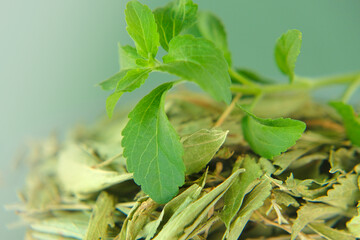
{"points": [[127, 57], [77, 175], [198, 60], [142, 28], [200, 147], [111, 82], [271, 137], [173, 18], [235, 195], [72, 225], [352, 124], [287, 50], [209, 26], [133, 79], [152, 148]]}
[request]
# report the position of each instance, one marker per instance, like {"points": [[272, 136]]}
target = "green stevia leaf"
{"points": [[173, 18], [285, 199], [200, 148], [253, 76], [311, 212], [133, 79], [345, 193], [127, 57], [287, 50], [330, 233], [210, 27], [234, 197], [354, 224], [101, 217], [254, 200], [77, 174], [198, 60], [111, 102], [183, 223], [110, 83], [152, 147], [271, 137], [142, 28], [72, 225], [351, 122]]}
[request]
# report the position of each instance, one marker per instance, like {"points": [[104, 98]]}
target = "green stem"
{"points": [[350, 90], [239, 78], [300, 84]]}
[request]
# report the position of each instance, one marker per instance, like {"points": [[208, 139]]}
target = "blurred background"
{"points": [[52, 53]]}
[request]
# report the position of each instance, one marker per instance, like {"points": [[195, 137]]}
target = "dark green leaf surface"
{"points": [[133, 79], [287, 50], [351, 122], [198, 60], [152, 148], [271, 137], [173, 18], [142, 28]]}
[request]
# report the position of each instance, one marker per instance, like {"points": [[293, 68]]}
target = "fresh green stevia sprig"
{"points": [[197, 51]]}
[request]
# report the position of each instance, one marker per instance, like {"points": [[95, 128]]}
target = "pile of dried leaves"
{"points": [[80, 189]]}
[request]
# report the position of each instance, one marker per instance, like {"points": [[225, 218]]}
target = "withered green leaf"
{"points": [[200, 147]]}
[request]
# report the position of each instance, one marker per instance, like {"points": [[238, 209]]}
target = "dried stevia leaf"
{"points": [[329, 232], [345, 192], [200, 147], [101, 217], [311, 212], [285, 199], [254, 200], [176, 205], [77, 173], [187, 220], [234, 197], [354, 224], [72, 225]]}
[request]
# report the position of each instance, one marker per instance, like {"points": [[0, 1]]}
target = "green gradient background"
{"points": [[52, 53]]}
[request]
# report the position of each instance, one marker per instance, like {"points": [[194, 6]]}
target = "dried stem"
{"points": [[228, 110]]}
